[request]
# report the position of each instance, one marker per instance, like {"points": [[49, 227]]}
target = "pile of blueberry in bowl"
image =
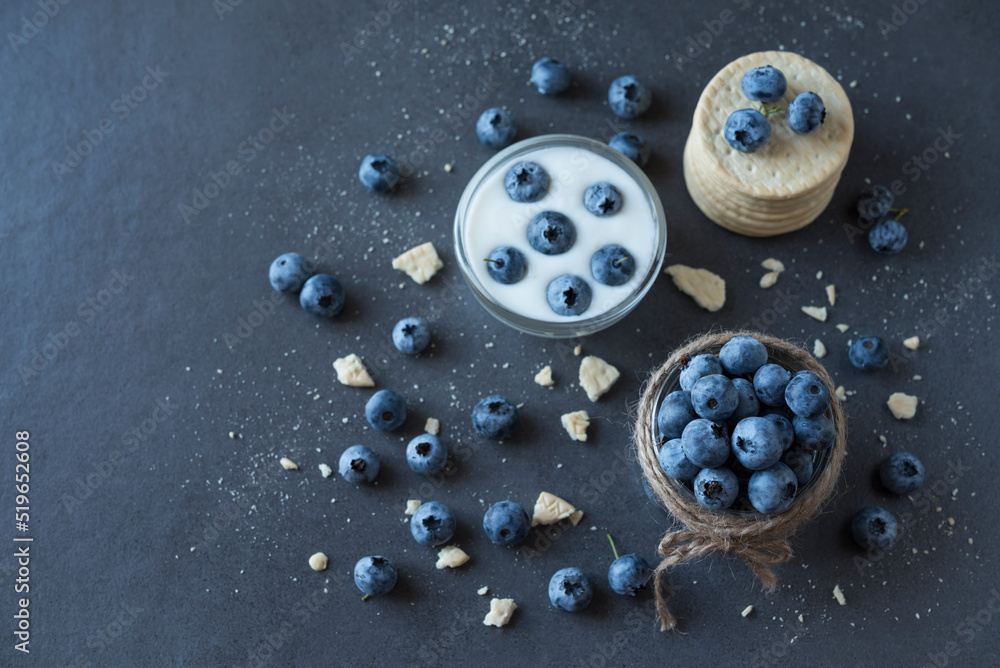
{"points": [[743, 428]]}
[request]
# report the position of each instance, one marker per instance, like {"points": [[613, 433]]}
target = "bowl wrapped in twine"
{"points": [[760, 540]]}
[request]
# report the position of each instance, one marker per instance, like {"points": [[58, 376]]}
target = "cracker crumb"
{"points": [[772, 264], [819, 275], [544, 377], [550, 509], [951, 521], [451, 557], [577, 350], [801, 619], [882, 439], [819, 350], [351, 371], [318, 561], [706, 288], [288, 464], [432, 426], [817, 312], [233, 435], [420, 262], [447, 167], [917, 376], [412, 505], [912, 343], [500, 611], [769, 279], [576, 424], [596, 376], [746, 611], [902, 405], [839, 595], [483, 591], [831, 294], [843, 328], [841, 393], [970, 541], [325, 470]]}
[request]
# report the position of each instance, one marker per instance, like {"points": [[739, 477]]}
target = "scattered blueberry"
{"points": [[322, 295], [868, 353], [742, 355], [769, 382], [411, 335], [756, 443], [506, 265], [602, 199], [773, 489], [550, 76], [526, 182], [901, 473], [632, 146], [628, 573], [705, 443], [714, 397], [496, 128], [807, 395], [888, 237], [806, 113], [764, 84], [289, 271], [716, 488], [674, 462], [800, 461], [374, 575], [426, 454], [628, 97], [816, 433], [747, 130], [674, 414], [874, 527], [432, 524], [784, 427], [570, 590], [695, 368], [612, 265], [551, 233], [379, 172], [386, 410], [506, 523], [874, 203], [569, 295], [495, 417], [748, 406], [359, 464]]}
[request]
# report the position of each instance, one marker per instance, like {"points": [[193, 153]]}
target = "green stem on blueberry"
{"points": [[613, 548], [901, 213], [768, 112], [366, 597]]}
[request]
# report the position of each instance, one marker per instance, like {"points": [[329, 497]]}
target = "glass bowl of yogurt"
{"points": [[489, 218]]}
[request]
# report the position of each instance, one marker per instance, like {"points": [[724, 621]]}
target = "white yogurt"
{"points": [[493, 220]]}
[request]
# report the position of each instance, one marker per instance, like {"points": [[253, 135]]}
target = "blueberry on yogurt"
{"points": [[506, 265], [551, 233], [602, 199], [612, 265], [569, 295], [526, 182]]}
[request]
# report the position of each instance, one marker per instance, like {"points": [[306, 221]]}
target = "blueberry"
{"points": [[602, 199], [800, 461], [506, 265], [432, 524], [807, 395], [695, 368], [806, 113], [526, 182], [747, 130], [674, 414], [874, 203], [495, 417], [550, 76], [411, 335], [784, 427], [374, 575], [628, 574], [782, 410], [379, 172], [716, 488], [289, 271], [426, 454], [874, 527], [674, 462], [714, 397], [888, 237], [632, 146], [612, 265], [816, 433], [570, 590], [322, 295], [569, 295], [748, 406], [773, 489], [901, 473], [551, 233], [769, 382], [705, 443], [496, 128], [628, 97], [756, 443], [359, 464], [868, 353], [506, 523], [764, 84], [386, 410], [742, 355]]}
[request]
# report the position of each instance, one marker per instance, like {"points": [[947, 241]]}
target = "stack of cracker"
{"points": [[788, 183]]}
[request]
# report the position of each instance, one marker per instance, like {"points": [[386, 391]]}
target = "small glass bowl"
{"points": [[556, 327], [820, 458]]}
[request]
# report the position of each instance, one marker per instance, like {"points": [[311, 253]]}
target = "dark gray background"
{"points": [[114, 579]]}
